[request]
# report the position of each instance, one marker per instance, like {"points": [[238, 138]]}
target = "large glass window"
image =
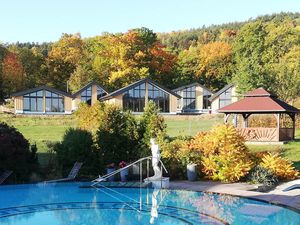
{"points": [[86, 95], [189, 98], [100, 92], [134, 99], [225, 98], [54, 102], [206, 96], [161, 98], [33, 102]]}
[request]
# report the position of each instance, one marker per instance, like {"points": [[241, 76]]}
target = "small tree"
{"points": [[16, 154], [77, 145], [225, 156], [152, 125], [89, 117], [117, 137]]}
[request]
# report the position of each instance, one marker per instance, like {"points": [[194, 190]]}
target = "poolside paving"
{"points": [[289, 198]]}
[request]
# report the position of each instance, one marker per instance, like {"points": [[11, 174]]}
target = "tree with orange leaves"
{"points": [[215, 63], [12, 74]]}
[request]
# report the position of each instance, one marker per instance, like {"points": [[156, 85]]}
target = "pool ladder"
{"points": [[140, 162]]}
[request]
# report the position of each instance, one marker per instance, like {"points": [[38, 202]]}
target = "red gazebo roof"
{"points": [[259, 101]]}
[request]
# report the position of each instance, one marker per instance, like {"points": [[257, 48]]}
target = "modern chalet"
{"points": [[189, 99], [194, 98], [135, 96], [223, 97]]}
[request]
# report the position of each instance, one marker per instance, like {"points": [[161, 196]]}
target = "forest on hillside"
{"points": [[260, 52]]}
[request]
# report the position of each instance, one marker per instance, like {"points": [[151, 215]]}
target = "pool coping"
{"points": [[287, 201]]}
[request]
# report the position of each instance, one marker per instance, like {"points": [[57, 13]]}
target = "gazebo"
{"points": [[260, 101]]}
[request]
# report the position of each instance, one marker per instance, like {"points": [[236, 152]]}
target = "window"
{"points": [[206, 96], [225, 98], [161, 98], [54, 102], [33, 102], [178, 100], [86, 95], [134, 99], [100, 92], [189, 98]]}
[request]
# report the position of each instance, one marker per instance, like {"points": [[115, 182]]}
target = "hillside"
{"points": [[260, 52]]}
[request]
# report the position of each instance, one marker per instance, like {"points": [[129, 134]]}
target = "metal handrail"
{"points": [[96, 181]]}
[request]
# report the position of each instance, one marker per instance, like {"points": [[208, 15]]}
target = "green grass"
{"points": [[42, 134], [191, 126], [41, 130]]}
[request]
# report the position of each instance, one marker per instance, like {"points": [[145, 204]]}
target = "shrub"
{"points": [[260, 175], [171, 158], [151, 125], [225, 156], [89, 117], [77, 145], [16, 154], [281, 167], [117, 136]]}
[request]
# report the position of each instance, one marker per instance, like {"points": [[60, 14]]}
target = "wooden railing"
{"points": [[260, 134]]}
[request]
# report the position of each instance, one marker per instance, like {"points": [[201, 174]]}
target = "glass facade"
{"points": [[54, 102], [161, 98], [134, 99], [86, 96], [225, 98], [34, 102], [206, 96], [100, 92], [189, 98]]}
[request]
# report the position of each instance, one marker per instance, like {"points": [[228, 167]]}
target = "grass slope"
{"points": [[41, 130]]}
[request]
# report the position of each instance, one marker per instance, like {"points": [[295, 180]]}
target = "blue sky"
{"points": [[38, 20]]}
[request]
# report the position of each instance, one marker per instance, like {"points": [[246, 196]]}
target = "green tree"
{"points": [[77, 146], [117, 137], [250, 71], [287, 75], [152, 125]]}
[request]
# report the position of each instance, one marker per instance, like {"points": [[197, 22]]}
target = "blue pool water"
{"points": [[67, 203]]}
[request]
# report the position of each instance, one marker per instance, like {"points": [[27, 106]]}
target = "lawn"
{"points": [[41, 130]]}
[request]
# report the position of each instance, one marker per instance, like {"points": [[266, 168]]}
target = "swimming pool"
{"points": [[67, 203]]}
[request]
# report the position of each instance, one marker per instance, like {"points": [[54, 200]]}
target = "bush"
{"points": [[152, 125], [260, 175], [117, 137], [171, 158], [16, 153], [281, 167], [77, 145], [89, 117], [225, 156]]}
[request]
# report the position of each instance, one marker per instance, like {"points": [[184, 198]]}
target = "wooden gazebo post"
{"points": [[260, 101]]}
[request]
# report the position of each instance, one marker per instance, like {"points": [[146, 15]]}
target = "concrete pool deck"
{"points": [[289, 198]]}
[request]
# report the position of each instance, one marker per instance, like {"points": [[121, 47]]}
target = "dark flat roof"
{"points": [[259, 101], [218, 93], [191, 85], [124, 89], [24, 92], [88, 85]]}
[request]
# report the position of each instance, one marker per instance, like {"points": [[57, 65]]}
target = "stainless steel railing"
{"points": [[140, 161]]}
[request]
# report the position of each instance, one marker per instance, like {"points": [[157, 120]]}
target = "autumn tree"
{"points": [[63, 59], [124, 58], [215, 64], [12, 74], [263, 53], [287, 75]]}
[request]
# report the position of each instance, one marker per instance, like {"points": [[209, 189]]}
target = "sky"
{"points": [[43, 21]]}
